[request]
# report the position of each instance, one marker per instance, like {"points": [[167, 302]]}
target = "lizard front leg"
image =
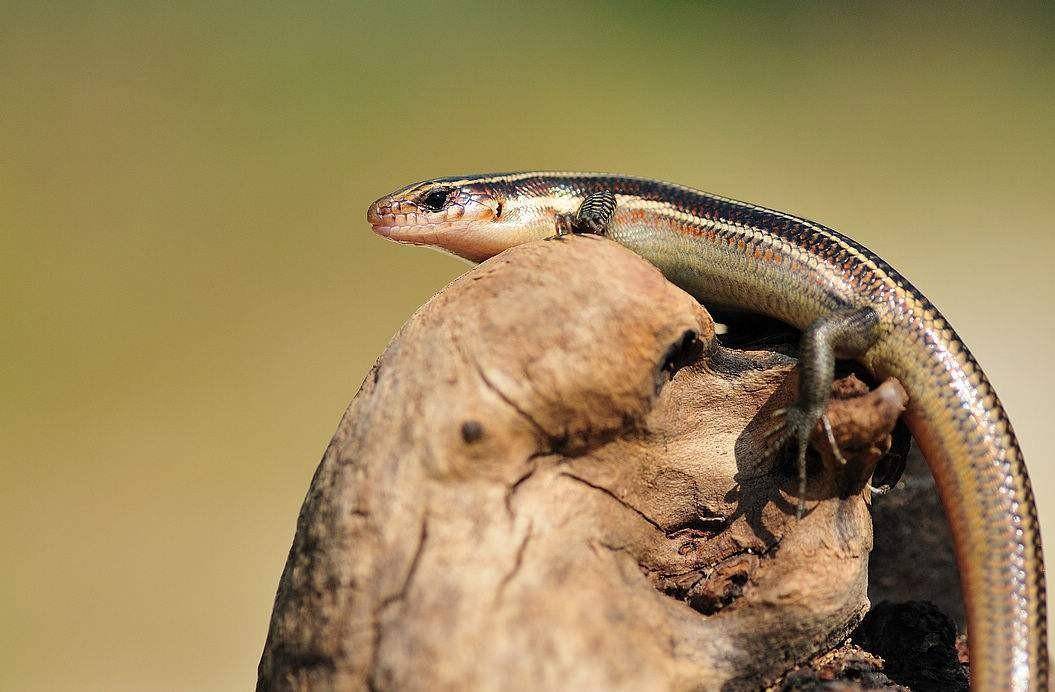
{"points": [[593, 215]]}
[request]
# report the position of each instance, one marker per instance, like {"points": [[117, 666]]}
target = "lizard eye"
{"points": [[435, 200]]}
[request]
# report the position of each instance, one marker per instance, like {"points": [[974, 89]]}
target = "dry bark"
{"points": [[554, 477]]}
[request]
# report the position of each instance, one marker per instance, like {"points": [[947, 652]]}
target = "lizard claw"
{"points": [[793, 423], [831, 440], [773, 438]]}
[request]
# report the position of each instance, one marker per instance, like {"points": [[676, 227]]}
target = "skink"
{"points": [[849, 303]]}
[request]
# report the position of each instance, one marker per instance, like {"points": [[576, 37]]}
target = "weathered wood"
{"points": [[554, 478]]}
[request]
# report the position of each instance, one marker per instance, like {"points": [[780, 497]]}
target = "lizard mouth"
{"points": [[405, 221], [386, 230], [397, 229], [392, 219]]}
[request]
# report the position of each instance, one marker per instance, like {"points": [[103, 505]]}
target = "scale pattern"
{"points": [[729, 252]]}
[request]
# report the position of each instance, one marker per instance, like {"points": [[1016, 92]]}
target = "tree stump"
{"points": [[555, 478]]}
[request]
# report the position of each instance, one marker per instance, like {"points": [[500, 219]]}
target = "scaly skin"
{"points": [[729, 253]]}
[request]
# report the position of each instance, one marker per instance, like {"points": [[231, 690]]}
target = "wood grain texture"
{"points": [[547, 482]]}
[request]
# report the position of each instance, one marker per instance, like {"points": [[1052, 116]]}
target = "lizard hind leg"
{"points": [[841, 334]]}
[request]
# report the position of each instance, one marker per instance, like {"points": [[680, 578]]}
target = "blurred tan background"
{"points": [[190, 295]]}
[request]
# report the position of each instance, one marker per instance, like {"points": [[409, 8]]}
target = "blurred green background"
{"points": [[190, 295]]}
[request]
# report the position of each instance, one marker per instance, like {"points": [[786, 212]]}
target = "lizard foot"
{"points": [[592, 217], [795, 423]]}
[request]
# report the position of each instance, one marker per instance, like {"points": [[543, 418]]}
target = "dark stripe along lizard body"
{"points": [[730, 253]]}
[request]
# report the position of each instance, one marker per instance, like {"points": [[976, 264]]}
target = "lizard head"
{"points": [[474, 217]]}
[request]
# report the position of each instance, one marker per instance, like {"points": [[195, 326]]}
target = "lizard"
{"points": [[849, 304]]}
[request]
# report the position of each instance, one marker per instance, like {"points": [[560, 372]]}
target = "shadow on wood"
{"points": [[554, 477]]}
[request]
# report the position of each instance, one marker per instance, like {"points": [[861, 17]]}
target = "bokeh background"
{"points": [[189, 293]]}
